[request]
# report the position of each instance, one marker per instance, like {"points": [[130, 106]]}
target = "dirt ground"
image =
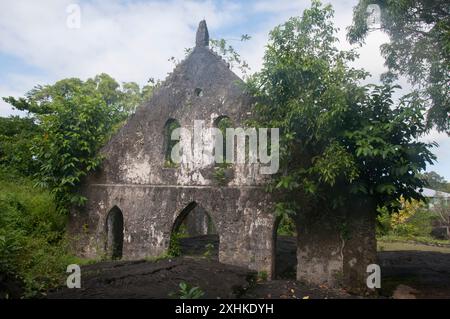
{"points": [[158, 279], [409, 274], [426, 273]]}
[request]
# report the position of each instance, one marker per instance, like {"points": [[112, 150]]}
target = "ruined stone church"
{"points": [[138, 199]]}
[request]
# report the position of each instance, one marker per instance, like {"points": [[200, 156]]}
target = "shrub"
{"points": [[32, 244], [174, 245], [383, 222], [189, 292], [209, 250], [286, 227], [414, 219]]}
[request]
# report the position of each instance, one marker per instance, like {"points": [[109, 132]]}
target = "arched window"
{"points": [[169, 127], [222, 123], [198, 92]]}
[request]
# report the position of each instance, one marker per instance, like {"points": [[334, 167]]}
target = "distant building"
{"points": [[435, 196]]}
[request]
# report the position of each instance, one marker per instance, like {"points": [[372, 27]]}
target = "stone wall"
{"points": [[319, 248], [335, 247], [242, 217], [134, 178]]}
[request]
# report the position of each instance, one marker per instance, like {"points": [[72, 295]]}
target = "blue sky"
{"points": [[133, 40]]}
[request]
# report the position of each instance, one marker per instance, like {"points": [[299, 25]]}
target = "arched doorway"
{"points": [[284, 248], [114, 233], [194, 233]]}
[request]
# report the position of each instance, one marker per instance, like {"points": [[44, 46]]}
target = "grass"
{"points": [[162, 256], [417, 243], [427, 240], [396, 246], [33, 247]]}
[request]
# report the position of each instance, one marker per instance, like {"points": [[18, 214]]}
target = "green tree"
{"points": [[75, 119], [338, 141], [435, 181], [419, 48], [16, 136], [121, 99]]}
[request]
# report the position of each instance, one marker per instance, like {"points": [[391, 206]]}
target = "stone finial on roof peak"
{"points": [[202, 38]]}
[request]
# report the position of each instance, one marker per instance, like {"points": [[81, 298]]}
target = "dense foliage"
{"points": [[43, 157], [413, 219], [32, 245], [436, 182], [339, 141], [419, 48], [75, 118], [16, 140]]}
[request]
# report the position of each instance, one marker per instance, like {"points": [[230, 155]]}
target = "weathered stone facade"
{"points": [[153, 198]]}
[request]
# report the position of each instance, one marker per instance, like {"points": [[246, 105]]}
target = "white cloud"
{"points": [[132, 41], [442, 152], [5, 108], [16, 86], [281, 6]]}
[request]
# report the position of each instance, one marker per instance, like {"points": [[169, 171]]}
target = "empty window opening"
{"points": [[222, 123], [169, 144], [198, 92]]}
